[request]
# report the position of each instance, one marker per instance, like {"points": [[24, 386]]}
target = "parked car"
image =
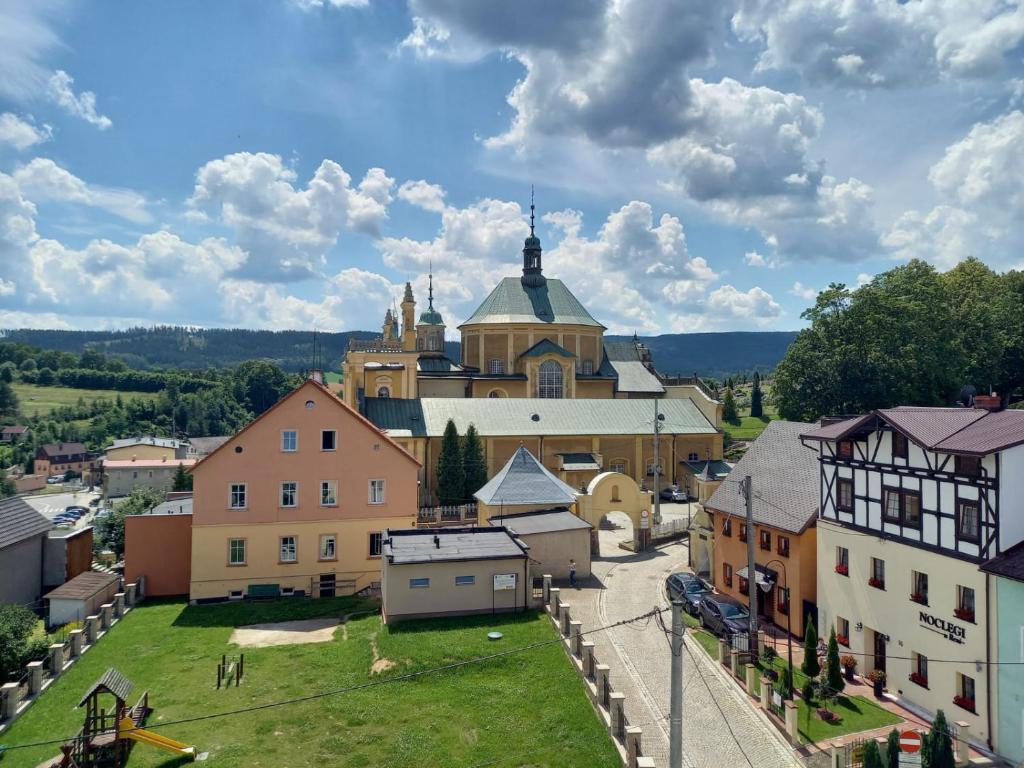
{"points": [[695, 591], [63, 519], [672, 493], [54, 479], [675, 584], [95, 502], [77, 510], [723, 615], [101, 513]]}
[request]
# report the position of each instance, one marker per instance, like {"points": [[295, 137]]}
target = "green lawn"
{"points": [[334, 377], [748, 427], [35, 400], [856, 713], [527, 709]]}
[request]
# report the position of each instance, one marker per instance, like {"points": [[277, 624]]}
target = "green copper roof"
{"points": [[431, 317], [546, 346], [549, 302]]}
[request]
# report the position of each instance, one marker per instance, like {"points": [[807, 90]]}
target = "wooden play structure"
{"points": [[107, 735], [230, 669]]}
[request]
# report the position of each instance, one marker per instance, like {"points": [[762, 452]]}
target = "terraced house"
{"points": [[296, 502], [913, 500]]}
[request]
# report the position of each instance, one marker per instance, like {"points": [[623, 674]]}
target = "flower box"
{"points": [[964, 702], [917, 597], [843, 640], [964, 614], [876, 583], [919, 679], [843, 570]]}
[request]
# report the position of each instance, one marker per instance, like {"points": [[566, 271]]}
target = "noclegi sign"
{"points": [[955, 633]]}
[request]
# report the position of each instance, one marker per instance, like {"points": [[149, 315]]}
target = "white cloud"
{"points": [[61, 92], [26, 37], [863, 279], [42, 180], [987, 166], [755, 259], [804, 292], [429, 197], [20, 133], [755, 304], [309, 5], [287, 229]]}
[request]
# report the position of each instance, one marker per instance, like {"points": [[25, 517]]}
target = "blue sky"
{"points": [[699, 165]]}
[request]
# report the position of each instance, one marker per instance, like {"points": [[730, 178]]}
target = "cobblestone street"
{"points": [[623, 585]]}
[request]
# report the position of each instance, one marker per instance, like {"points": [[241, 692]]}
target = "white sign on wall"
{"points": [[504, 582]]}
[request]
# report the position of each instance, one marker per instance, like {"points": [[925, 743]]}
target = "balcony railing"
{"points": [[454, 514], [374, 345]]}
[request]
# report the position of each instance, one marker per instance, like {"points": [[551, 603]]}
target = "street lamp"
{"points": [[789, 619]]}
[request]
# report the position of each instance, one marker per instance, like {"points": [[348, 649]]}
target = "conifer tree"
{"points": [[810, 665], [833, 674], [756, 407], [729, 406], [474, 461], [940, 745], [872, 757], [451, 472], [182, 480], [892, 749]]}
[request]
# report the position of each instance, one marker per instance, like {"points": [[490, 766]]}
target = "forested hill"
{"points": [[707, 354]]}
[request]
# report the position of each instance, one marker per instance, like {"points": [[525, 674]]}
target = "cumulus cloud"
{"points": [[21, 133], [42, 180], [429, 197], [883, 44], [287, 229], [755, 304], [755, 259], [61, 91], [804, 292]]}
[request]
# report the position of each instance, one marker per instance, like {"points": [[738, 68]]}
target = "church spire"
{"points": [[532, 274], [430, 287]]}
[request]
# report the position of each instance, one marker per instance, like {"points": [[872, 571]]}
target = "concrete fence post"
{"points": [[35, 677], [119, 605], [77, 638], [576, 638], [761, 637], [141, 583], [603, 684], [766, 692], [962, 743], [547, 588], [836, 751], [566, 619], [92, 624], [8, 700], [106, 616], [587, 649], [645, 762], [130, 593], [555, 597], [617, 707], [734, 662], [633, 735], [723, 653], [751, 677], [56, 659], [792, 723]]}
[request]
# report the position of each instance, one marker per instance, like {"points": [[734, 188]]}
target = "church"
{"points": [[535, 370]]}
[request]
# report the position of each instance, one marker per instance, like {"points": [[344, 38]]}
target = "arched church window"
{"points": [[550, 381], [496, 366], [495, 393], [383, 392]]}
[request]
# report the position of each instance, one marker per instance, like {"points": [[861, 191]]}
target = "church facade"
{"points": [[535, 370]]}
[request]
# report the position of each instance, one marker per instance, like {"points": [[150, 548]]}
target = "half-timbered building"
{"points": [[912, 500]]}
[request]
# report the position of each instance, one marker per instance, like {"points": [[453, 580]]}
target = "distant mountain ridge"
{"points": [[706, 354]]}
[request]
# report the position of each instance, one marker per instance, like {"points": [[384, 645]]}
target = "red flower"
{"points": [[919, 679], [964, 614], [877, 583], [963, 701], [843, 640], [843, 569]]}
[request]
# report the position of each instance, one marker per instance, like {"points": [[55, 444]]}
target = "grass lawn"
{"points": [[334, 377], [526, 709], [856, 713], [748, 427], [35, 400]]}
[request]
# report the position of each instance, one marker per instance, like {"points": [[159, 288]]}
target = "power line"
{"points": [[361, 686]]}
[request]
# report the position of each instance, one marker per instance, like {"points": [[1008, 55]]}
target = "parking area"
{"points": [[53, 504]]}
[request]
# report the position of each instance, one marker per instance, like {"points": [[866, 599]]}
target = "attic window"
{"points": [[238, 449], [310, 404], [535, 417]]}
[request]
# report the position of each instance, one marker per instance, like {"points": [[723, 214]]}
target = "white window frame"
{"points": [[496, 366], [285, 435], [325, 432], [294, 492], [231, 552], [234, 492], [371, 496], [293, 550], [333, 539], [550, 380], [332, 486], [618, 466]]}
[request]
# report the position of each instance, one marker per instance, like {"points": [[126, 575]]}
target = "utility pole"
{"points": [[657, 463], [748, 492], [675, 725]]}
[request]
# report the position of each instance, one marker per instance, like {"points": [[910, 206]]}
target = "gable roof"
{"points": [[19, 521], [331, 398], [1010, 564], [633, 376], [785, 476], [112, 682], [62, 449], [524, 480], [549, 302], [14, 429], [545, 347], [542, 521]]}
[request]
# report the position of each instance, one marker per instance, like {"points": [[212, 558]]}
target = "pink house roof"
{"points": [[147, 463]]}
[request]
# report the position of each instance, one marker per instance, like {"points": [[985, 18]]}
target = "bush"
{"points": [[807, 692], [16, 626], [36, 649]]}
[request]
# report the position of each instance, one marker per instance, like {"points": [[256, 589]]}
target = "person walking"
{"points": [[572, 573]]}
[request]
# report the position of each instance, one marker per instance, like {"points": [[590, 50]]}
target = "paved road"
{"points": [[624, 585], [50, 504]]}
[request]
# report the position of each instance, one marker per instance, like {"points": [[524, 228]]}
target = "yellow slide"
{"points": [[129, 731]]}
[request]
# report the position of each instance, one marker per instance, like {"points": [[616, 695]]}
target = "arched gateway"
{"points": [[615, 492]]}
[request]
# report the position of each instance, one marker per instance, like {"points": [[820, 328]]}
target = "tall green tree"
{"points": [[872, 757], [833, 673], [940, 743], [756, 407], [7, 486], [182, 479], [8, 400], [475, 462], [810, 665], [260, 384], [729, 407], [451, 471], [892, 749]]}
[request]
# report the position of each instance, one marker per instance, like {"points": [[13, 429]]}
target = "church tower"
{"points": [[389, 327], [533, 276], [430, 329], [408, 320]]}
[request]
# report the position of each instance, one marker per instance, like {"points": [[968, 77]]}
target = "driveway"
{"points": [[624, 585]]}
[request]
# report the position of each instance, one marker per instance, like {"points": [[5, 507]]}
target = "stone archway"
{"points": [[615, 492]]}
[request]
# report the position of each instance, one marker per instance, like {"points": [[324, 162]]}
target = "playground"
{"points": [[524, 709]]}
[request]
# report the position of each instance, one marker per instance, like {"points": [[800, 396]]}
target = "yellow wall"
{"points": [[139, 452]]}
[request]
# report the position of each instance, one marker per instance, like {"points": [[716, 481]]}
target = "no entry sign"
{"points": [[910, 741]]}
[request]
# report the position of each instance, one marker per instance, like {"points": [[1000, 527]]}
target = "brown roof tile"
{"points": [[83, 586]]}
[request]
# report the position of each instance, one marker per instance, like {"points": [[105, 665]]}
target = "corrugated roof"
{"points": [[19, 521], [546, 346], [1010, 564], [524, 480], [83, 586], [513, 302], [113, 682], [514, 417], [544, 521], [416, 545], [785, 478]]}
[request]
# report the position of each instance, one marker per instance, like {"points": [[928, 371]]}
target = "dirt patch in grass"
{"points": [[285, 633], [380, 664]]}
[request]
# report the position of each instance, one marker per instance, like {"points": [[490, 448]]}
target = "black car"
{"points": [[675, 584], [672, 493], [723, 615], [688, 588]]}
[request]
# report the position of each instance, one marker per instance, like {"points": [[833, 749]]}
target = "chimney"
{"points": [[988, 402], [437, 541], [316, 375]]}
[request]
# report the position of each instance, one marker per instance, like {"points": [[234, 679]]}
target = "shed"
{"points": [[554, 537], [81, 597], [22, 544], [452, 571]]}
